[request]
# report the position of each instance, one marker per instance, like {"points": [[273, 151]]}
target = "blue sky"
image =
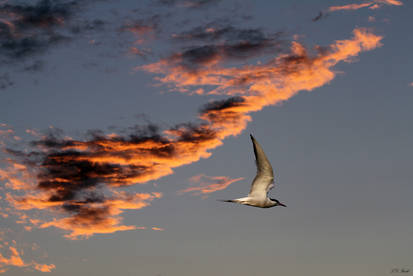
{"points": [[113, 158]]}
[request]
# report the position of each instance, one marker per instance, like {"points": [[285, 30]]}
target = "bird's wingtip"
{"points": [[252, 137]]}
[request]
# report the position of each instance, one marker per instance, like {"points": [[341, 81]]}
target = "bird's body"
{"points": [[262, 183]]}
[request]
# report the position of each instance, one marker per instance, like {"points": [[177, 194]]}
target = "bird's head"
{"points": [[278, 203]]}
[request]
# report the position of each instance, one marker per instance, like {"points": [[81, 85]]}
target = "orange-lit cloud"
{"points": [[350, 6], [15, 259], [16, 176], [88, 218], [101, 218], [264, 84], [79, 179], [390, 2], [34, 133], [5, 134], [157, 229], [371, 4], [203, 184], [44, 267], [139, 28], [139, 52], [144, 30]]}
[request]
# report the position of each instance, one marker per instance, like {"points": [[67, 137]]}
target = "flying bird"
{"points": [[262, 183]]}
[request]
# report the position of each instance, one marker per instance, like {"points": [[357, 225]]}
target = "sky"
{"points": [[123, 122]]}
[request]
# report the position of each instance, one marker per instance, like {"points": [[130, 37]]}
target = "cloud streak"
{"points": [[195, 4], [203, 185], [371, 5], [375, 4]]}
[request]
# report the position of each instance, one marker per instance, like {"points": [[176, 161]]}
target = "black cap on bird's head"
{"points": [[278, 203]]}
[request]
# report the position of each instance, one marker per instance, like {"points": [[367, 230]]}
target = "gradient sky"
{"points": [[121, 124]]}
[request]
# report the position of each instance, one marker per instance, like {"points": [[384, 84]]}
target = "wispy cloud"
{"points": [[5, 81], [143, 26], [10, 256], [157, 228], [203, 185], [351, 6], [375, 4], [144, 31], [189, 3], [371, 5]]}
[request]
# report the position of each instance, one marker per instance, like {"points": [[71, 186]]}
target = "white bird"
{"points": [[262, 183]]}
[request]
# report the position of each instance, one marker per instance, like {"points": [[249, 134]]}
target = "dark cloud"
{"points": [[32, 28], [17, 48], [76, 175], [45, 13], [223, 104], [214, 31], [5, 81], [87, 26], [143, 26], [224, 43], [188, 3], [34, 66], [319, 16]]}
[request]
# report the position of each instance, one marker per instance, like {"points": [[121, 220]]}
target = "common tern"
{"points": [[262, 183]]}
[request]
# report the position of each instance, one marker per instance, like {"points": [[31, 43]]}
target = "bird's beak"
{"points": [[282, 204]]}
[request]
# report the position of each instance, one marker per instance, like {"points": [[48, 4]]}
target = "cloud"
{"points": [[375, 4], [390, 2], [15, 260], [80, 179], [371, 4], [224, 33], [100, 217], [203, 185], [31, 28], [139, 52], [44, 267], [157, 229], [223, 43], [350, 6], [268, 83], [319, 16], [143, 27], [144, 30], [83, 205], [16, 176], [189, 3], [5, 81]]}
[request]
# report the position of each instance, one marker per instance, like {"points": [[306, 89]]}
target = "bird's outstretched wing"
{"points": [[264, 179]]}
